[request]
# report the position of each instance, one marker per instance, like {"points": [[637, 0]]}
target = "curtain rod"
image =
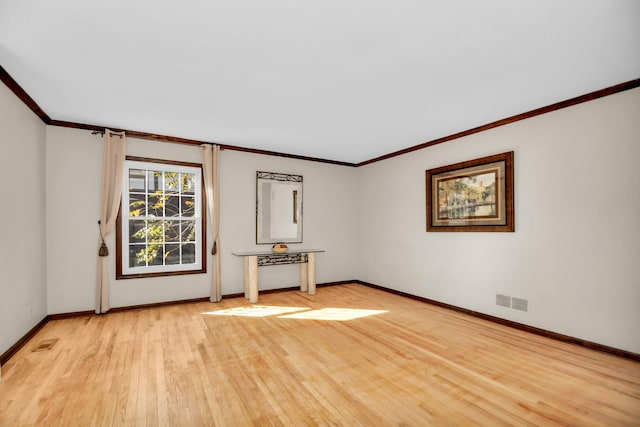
{"points": [[101, 133]]}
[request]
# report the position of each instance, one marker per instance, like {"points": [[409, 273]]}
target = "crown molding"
{"points": [[631, 84], [31, 104], [23, 96]]}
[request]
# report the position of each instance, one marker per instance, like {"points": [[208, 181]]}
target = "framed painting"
{"points": [[476, 195]]}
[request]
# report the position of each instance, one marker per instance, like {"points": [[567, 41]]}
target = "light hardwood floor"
{"points": [[350, 355]]}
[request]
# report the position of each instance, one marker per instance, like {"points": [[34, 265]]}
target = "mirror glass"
{"points": [[278, 208]]}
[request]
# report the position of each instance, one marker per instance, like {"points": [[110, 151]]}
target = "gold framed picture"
{"points": [[475, 195]]}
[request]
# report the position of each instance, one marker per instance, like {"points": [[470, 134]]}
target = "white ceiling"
{"points": [[345, 80]]}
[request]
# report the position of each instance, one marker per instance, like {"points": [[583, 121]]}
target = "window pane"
{"points": [[155, 231], [188, 231], [188, 206], [137, 205], [155, 254], [189, 253], [171, 182], [137, 179], [154, 181], [137, 256], [172, 231], [188, 183], [172, 205], [156, 205], [172, 255], [137, 231]]}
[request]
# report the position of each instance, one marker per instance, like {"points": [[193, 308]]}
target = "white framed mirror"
{"points": [[278, 208]]}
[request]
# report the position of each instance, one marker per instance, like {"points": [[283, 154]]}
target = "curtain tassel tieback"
{"points": [[104, 250], [214, 249]]}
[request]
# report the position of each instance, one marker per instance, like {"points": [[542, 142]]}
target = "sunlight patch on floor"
{"points": [[334, 314], [296, 312], [256, 311]]}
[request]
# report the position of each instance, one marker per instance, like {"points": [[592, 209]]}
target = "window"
{"points": [[160, 226]]}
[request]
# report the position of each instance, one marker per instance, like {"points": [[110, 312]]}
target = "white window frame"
{"points": [[159, 270]]}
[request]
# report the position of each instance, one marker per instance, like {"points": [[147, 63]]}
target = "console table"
{"points": [[254, 259]]}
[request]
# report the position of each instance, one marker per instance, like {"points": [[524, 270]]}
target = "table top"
{"points": [[271, 253]]}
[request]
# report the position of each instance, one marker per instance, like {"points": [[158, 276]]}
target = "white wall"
{"points": [[73, 184], [73, 210], [23, 292], [329, 218], [575, 254]]}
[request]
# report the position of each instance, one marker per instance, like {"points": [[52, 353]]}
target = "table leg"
{"points": [[246, 277], [304, 277], [311, 266], [253, 279]]}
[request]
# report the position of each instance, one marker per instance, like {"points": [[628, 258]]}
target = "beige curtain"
{"points": [[115, 145], [210, 161]]}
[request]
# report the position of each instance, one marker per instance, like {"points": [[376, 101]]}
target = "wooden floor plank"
{"points": [[297, 360]]}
